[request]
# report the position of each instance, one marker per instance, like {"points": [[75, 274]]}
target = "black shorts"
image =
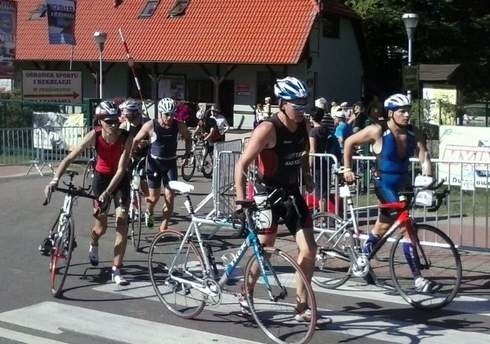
{"points": [[294, 211], [121, 196], [160, 171]]}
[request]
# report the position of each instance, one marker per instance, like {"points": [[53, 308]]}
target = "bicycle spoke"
{"points": [[441, 269], [166, 263], [273, 298], [60, 259]]}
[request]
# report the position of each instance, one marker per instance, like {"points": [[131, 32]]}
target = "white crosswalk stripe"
{"points": [[353, 325], [55, 318]]}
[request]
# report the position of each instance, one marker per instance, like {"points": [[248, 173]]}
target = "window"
{"points": [[39, 12], [331, 27], [149, 9], [179, 8]]}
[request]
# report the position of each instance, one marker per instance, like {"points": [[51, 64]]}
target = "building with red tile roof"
{"points": [[212, 51]]}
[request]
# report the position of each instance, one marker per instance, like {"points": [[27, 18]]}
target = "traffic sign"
{"points": [[53, 86]]}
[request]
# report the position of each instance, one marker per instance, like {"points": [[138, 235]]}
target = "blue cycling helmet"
{"points": [[397, 101], [290, 88]]}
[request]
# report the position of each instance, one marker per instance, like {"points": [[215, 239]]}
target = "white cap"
{"points": [[344, 104], [320, 103], [339, 113]]}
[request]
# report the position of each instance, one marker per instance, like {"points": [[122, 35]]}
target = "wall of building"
{"points": [[337, 62]]}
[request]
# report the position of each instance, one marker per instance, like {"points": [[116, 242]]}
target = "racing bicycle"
{"points": [[340, 254], [197, 159], [185, 276], [62, 235]]}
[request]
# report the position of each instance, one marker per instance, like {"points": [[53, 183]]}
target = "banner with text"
{"points": [[468, 150], [8, 15], [53, 86], [61, 21]]}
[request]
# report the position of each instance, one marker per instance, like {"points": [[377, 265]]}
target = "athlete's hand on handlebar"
{"points": [[349, 175]]}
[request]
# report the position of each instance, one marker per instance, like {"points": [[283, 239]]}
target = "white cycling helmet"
{"points": [[131, 105], [166, 106], [106, 110], [290, 88], [396, 101]]}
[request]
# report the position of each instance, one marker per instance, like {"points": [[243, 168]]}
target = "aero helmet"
{"points": [[166, 106], [396, 101], [131, 105], [106, 110], [290, 88]]}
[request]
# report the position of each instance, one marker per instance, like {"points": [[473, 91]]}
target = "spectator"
{"points": [[342, 129], [359, 117], [321, 104], [183, 111], [221, 122]]}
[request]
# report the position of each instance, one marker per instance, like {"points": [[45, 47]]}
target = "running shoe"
{"points": [[149, 221], [424, 285], [118, 278]]}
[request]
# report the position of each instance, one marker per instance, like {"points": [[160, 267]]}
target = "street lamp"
{"points": [[410, 20], [100, 38]]}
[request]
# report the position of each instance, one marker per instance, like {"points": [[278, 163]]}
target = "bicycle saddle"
{"points": [[180, 186]]}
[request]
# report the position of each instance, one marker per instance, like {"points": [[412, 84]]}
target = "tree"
{"points": [[449, 31]]}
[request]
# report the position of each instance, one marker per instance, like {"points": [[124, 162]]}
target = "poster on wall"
{"points": [[58, 132], [8, 15], [61, 21], [171, 87], [464, 153], [442, 102]]}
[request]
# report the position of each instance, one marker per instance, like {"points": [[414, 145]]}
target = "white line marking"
{"points": [[343, 322], [26, 338], [55, 318]]}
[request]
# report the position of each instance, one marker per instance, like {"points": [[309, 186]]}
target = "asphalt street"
{"points": [[94, 310]]}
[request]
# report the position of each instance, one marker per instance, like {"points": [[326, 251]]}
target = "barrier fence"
{"points": [[463, 216]]}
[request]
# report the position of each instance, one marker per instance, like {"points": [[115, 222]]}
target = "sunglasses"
{"points": [[111, 121]]}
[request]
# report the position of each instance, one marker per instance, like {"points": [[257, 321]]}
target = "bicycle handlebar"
{"points": [[80, 192]]}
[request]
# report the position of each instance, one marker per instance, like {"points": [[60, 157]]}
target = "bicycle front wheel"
{"points": [[272, 297], [187, 169], [61, 257], [437, 260], [88, 175], [167, 262], [332, 261], [135, 214]]}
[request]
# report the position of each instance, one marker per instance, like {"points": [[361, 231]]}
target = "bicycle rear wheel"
{"points": [[179, 297], [273, 308], [442, 267], [332, 261], [135, 214], [207, 166], [61, 257], [187, 169]]}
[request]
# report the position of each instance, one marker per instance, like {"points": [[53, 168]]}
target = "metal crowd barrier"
{"points": [[464, 216], [39, 147]]}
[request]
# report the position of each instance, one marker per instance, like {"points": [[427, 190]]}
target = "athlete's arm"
{"points": [[423, 153], [87, 141], [184, 131], [370, 134], [264, 136], [312, 150], [143, 134]]}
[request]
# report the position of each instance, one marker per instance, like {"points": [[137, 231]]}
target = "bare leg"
{"points": [[152, 199], [99, 229], [267, 240], [121, 236], [168, 207], [306, 260]]}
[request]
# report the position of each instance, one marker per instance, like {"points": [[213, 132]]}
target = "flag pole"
{"points": [[131, 65]]}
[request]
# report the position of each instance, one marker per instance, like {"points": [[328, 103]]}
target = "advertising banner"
{"points": [[61, 21], [8, 15], [468, 150], [58, 132]]}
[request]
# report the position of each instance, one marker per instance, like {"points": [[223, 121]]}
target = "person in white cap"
{"points": [[342, 129], [321, 105]]}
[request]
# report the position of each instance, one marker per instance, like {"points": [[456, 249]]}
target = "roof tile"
{"points": [[229, 31]]}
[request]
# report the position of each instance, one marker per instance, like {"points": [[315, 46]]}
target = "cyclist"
{"points": [[162, 159], [280, 146], [394, 142], [112, 146]]}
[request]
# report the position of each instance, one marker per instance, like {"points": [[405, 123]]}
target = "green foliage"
{"points": [[449, 31]]}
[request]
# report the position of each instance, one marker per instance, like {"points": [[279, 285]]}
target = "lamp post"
{"points": [[410, 20], [100, 38]]}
